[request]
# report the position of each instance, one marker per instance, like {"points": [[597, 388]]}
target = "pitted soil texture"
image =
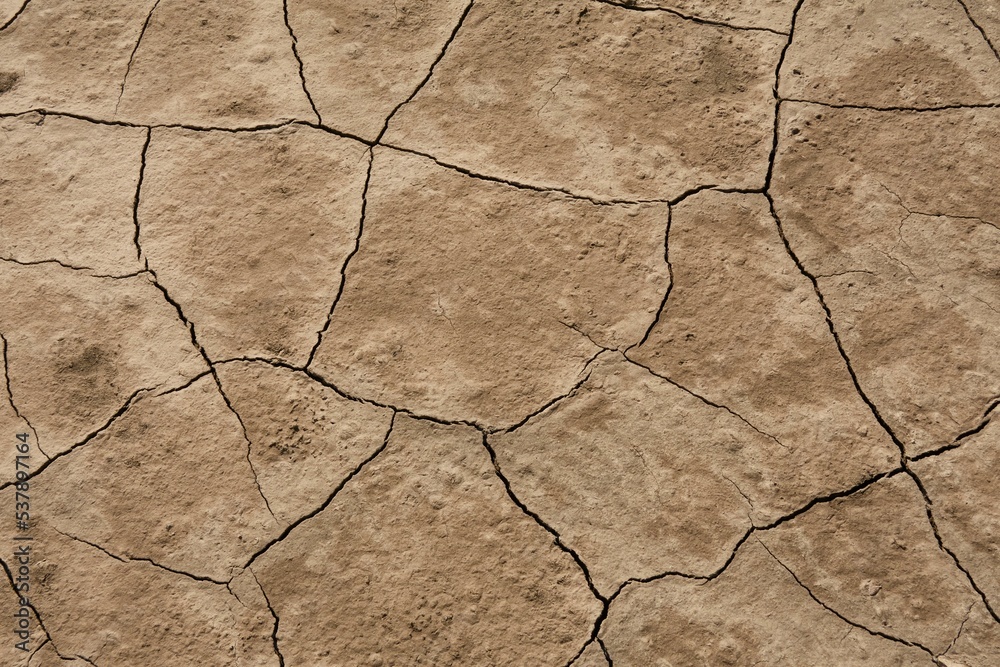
{"points": [[583, 333]]}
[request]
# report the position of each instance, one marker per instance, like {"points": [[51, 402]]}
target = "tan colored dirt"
{"points": [[584, 333]]}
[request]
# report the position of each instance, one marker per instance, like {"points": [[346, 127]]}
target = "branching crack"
{"points": [[298, 59], [131, 57], [347, 260], [326, 503], [430, 71], [630, 5]]}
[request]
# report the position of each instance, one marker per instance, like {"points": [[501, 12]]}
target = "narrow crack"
{"points": [[630, 5], [298, 59], [527, 186], [928, 506], [986, 38], [89, 272], [326, 503], [585, 374], [13, 18], [874, 633], [430, 71], [274, 615], [958, 441], [319, 379], [347, 260], [140, 559], [30, 605], [541, 522], [131, 57], [707, 401], [868, 107], [670, 287], [90, 436], [968, 614], [246, 438], [10, 397]]}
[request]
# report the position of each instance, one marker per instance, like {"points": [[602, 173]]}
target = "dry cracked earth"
{"points": [[495, 332]]}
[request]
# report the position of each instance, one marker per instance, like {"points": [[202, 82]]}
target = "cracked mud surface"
{"points": [[587, 333]]}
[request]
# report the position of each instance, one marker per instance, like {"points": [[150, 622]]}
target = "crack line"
{"points": [[30, 605], [706, 401], [541, 522], [631, 6], [867, 107], [140, 559], [274, 615], [298, 59], [15, 16], [874, 633], [978, 27], [10, 396], [136, 395], [326, 503], [430, 71], [347, 260], [131, 58]]}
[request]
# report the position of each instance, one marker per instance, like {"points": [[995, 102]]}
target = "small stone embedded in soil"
{"points": [[423, 559], [753, 613], [637, 476], [897, 216], [306, 438], [68, 187], [360, 61], [889, 53], [133, 613], [479, 301], [216, 63], [744, 328], [176, 486], [873, 558], [962, 485], [599, 100], [248, 232], [76, 70], [79, 347]]}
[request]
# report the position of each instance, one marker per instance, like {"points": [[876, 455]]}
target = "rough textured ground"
{"points": [[582, 333]]}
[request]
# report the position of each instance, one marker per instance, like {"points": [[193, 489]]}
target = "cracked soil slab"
{"points": [[418, 583], [583, 333], [610, 103], [904, 240], [478, 301]]}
